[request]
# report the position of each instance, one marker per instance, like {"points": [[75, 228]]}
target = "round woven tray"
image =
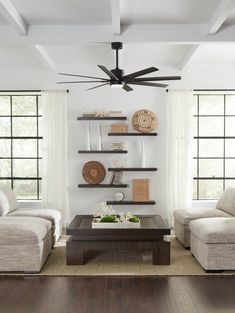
{"points": [[93, 172], [144, 121]]}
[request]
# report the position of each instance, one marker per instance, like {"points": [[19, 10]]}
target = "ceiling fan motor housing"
{"points": [[116, 45]]}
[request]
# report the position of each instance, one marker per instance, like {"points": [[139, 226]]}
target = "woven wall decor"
{"points": [[93, 172], [144, 121]]}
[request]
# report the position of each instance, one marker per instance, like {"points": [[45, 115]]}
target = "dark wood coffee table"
{"points": [[149, 236]]}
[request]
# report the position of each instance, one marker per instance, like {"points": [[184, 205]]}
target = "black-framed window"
{"points": [[214, 145], [20, 144]]}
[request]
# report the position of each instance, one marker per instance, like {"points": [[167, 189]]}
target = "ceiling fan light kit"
{"points": [[117, 79]]}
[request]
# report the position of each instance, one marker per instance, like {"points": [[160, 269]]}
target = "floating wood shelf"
{"points": [[151, 202], [102, 186], [100, 118], [132, 169], [132, 134], [101, 151]]}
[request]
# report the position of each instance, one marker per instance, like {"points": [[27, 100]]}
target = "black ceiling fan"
{"points": [[118, 79]]}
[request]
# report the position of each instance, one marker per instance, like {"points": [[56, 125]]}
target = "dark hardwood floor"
{"points": [[117, 294]]}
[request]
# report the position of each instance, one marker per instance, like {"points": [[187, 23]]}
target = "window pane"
{"points": [[5, 168], [39, 126], [5, 126], [25, 189], [24, 126], [195, 105], [229, 183], [25, 168], [211, 126], [5, 182], [5, 108], [39, 105], [195, 120], [40, 167], [24, 105], [5, 147], [230, 147], [230, 126], [211, 147], [210, 189], [211, 105], [25, 147], [195, 189], [211, 168], [230, 168], [230, 105], [40, 189], [195, 168], [40, 148]]}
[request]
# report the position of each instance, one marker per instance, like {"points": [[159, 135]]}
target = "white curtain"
{"points": [[179, 151], [55, 179]]}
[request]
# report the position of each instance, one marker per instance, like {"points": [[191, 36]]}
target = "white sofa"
{"points": [[225, 207], [26, 235]]}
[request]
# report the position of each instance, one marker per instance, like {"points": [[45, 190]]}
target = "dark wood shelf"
{"points": [[105, 118], [132, 169], [150, 202], [102, 186], [101, 151], [132, 134]]}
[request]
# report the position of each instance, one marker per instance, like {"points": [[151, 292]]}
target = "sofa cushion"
{"points": [[186, 216], [7, 200], [52, 215], [23, 230], [214, 229], [227, 201]]}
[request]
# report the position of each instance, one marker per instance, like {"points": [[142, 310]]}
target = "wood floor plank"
{"points": [[99, 294]]}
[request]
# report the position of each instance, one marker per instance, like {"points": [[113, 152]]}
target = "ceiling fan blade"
{"points": [[148, 84], [108, 72], [156, 78], [82, 82], [97, 86], [127, 88], [82, 76], [142, 72]]}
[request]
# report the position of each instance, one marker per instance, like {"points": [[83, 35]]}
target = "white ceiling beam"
{"points": [[76, 34], [223, 10], [116, 18], [10, 13], [44, 57], [188, 57]]}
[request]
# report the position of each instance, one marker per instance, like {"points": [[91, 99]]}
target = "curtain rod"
{"points": [[209, 90], [20, 90]]}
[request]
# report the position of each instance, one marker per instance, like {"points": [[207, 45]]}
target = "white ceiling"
{"points": [[167, 11], [174, 34]]}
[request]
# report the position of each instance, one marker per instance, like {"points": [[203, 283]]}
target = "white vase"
{"points": [[143, 161], [99, 137], [88, 137]]}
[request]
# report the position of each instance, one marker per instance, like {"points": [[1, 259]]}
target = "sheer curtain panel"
{"points": [[179, 151], [55, 180]]}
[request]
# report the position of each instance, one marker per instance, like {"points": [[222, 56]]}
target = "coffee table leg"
{"points": [[161, 253], [74, 253]]}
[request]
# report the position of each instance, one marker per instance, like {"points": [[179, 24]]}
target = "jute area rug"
{"points": [[123, 263]]}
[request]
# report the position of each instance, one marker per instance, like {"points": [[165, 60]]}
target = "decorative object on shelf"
{"points": [[118, 196], [103, 209], [101, 114], [88, 137], [118, 145], [88, 113], [119, 128], [144, 121], [116, 178], [99, 137], [102, 219], [93, 172], [119, 162], [115, 113], [143, 163], [140, 189]]}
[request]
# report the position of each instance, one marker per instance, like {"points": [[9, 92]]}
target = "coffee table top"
{"points": [[149, 225]]}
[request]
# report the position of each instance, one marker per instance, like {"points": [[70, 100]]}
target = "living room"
{"points": [[117, 156]]}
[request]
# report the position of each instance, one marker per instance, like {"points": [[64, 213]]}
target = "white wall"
{"points": [[106, 98]]}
